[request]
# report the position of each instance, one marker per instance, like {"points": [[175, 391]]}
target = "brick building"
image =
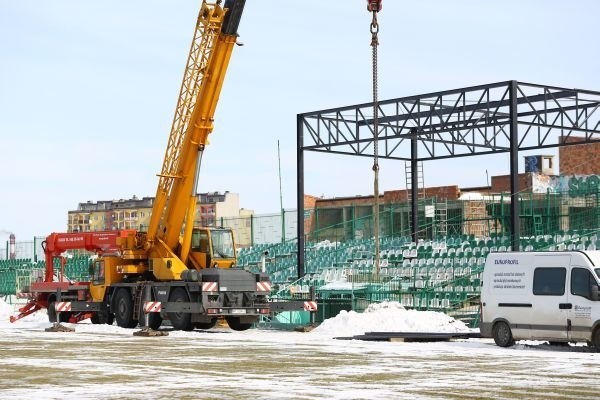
{"points": [[581, 159], [340, 218]]}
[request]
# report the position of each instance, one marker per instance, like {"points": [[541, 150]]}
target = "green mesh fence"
{"points": [[540, 214], [440, 272], [443, 271]]}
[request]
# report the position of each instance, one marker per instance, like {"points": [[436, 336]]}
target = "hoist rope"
{"points": [[375, 7]]}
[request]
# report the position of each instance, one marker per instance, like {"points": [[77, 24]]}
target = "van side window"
{"points": [[549, 281], [581, 283]]}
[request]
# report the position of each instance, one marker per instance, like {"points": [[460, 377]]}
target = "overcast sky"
{"points": [[88, 90]]}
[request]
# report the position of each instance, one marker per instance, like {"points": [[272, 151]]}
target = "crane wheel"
{"points": [[235, 324], [52, 312], [154, 321], [181, 321], [206, 325], [102, 317], [53, 316], [124, 309]]}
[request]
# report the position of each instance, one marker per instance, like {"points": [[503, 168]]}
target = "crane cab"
{"points": [[212, 248]]}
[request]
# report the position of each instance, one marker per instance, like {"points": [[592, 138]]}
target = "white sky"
{"points": [[87, 91]]}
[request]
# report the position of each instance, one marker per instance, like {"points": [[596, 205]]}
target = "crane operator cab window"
{"points": [[222, 241], [200, 241], [97, 272]]}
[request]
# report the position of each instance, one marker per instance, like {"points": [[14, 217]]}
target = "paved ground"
{"points": [[102, 362]]}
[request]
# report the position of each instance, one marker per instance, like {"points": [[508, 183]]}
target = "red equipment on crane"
{"points": [[374, 5], [101, 243]]}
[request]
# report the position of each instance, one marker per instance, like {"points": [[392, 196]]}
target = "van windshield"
{"points": [[597, 271]]}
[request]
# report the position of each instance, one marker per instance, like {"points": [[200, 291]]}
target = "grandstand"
{"points": [[441, 273], [16, 275]]}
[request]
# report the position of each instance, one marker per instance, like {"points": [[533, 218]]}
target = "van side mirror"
{"points": [[595, 292]]}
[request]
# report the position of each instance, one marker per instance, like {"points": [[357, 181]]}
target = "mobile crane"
{"points": [[173, 271]]}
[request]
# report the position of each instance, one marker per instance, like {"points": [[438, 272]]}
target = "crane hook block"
{"points": [[374, 5]]}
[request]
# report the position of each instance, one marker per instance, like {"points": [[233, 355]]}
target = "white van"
{"points": [[549, 296]]}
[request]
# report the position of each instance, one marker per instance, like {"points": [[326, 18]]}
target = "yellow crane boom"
{"points": [[175, 202], [191, 279]]}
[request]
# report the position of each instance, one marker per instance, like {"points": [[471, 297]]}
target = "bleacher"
{"points": [[442, 274], [17, 274], [14, 274]]}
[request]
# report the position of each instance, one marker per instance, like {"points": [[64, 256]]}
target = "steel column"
{"points": [[300, 191], [414, 189], [514, 168]]}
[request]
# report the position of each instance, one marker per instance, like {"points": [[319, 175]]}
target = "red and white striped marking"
{"points": [[310, 306], [263, 286], [152, 306], [209, 286], [62, 306]]}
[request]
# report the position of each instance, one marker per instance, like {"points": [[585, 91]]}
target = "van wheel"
{"points": [[596, 339], [502, 334]]}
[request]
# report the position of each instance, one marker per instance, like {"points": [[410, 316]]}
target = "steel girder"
{"points": [[455, 123], [500, 117]]}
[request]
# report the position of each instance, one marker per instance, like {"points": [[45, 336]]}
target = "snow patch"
{"points": [[6, 310], [389, 317], [38, 318]]}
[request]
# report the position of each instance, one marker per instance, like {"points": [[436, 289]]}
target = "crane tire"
{"points": [[124, 309], [52, 317], [235, 324], [180, 321], [206, 325]]}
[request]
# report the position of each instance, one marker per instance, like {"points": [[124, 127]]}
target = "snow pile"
{"points": [[389, 317], [326, 244]]}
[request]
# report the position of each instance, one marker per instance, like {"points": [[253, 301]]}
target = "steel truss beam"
{"points": [[500, 117], [455, 123]]}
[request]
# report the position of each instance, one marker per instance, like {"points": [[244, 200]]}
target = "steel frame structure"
{"points": [[502, 117]]}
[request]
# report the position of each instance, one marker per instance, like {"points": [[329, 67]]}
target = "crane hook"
{"points": [[374, 5]]}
